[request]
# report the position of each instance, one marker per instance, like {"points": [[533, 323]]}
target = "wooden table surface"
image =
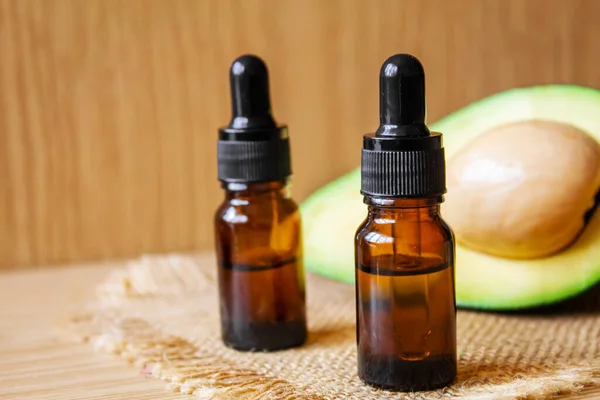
{"points": [[37, 358], [39, 361]]}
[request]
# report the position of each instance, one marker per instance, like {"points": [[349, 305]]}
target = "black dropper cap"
{"points": [[252, 148], [403, 158]]}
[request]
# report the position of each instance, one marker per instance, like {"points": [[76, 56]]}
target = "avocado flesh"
{"points": [[332, 214]]}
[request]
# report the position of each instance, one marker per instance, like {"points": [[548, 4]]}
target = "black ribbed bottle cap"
{"points": [[403, 158], [252, 148]]}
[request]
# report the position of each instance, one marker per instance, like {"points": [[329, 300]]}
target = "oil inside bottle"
{"points": [[262, 306], [406, 313]]}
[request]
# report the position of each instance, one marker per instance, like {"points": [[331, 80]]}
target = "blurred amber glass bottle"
{"points": [[257, 227]]}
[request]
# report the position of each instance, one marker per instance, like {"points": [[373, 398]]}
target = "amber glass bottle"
{"points": [[405, 301], [257, 227]]}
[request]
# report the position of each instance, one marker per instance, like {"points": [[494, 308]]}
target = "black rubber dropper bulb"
{"points": [[402, 158], [252, 148], [250, 99], [402, 97]]}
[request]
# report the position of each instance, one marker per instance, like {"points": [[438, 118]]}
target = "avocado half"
{"points": [[332, 214]]}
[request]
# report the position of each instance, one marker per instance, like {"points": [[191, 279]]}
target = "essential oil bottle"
{"points": [[257, 227], [405, 302]]}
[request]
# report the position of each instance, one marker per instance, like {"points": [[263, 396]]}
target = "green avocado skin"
{"points": [[332, 214]]}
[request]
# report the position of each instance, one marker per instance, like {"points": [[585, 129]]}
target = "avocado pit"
{"points": [[522, 190]]}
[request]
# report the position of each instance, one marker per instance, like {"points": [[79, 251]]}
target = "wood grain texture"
{"points": [[39, 359], [109, 109]]}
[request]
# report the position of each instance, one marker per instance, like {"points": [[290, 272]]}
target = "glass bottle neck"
{"points": [[395, 208], [234, 190]]}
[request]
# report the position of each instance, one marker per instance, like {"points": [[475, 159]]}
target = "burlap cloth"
{"points": [[161, 314]]}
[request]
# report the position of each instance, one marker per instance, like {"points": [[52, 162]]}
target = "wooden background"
{"points": [[109, 109]]}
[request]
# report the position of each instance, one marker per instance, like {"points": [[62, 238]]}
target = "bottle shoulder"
{"points": [[245, 211], [375, 230], [252, 232], [400, 244], [362, 230], [449, 233]]}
